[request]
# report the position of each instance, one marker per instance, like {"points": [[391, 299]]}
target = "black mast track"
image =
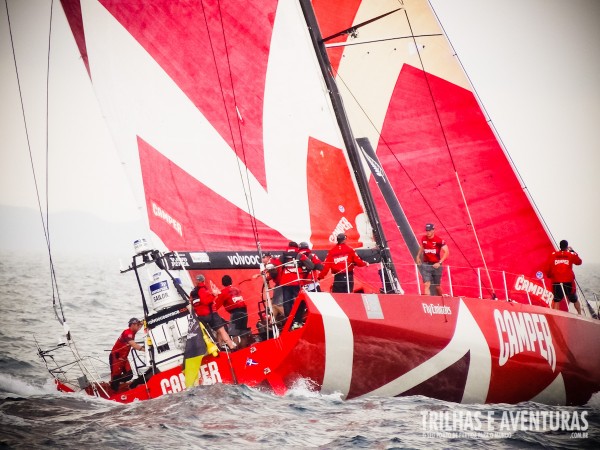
{"points": [[389, 196], [347, 135]]}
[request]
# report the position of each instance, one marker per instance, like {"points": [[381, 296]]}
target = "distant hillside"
{"points": [[70, 232]]}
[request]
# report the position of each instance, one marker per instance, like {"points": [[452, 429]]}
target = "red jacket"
{"points": [[310, 276], [203, 300], [275, 273], [231, 298], [122, 348], [338, 258], [291, 273], [559, 267]]}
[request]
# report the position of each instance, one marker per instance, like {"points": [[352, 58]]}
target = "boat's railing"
{"points": [[474, 282], [78, 372], [457, 281], [70, 369]]}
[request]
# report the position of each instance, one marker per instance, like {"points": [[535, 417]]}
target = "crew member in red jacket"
{"points": [[231, 298], [272, 273], [341, 260], [120, 369], [432, 253], [293, 263], [559, 268], [203, 302], [310, 280]]}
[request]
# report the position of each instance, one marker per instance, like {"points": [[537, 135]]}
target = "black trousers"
{"points": [[341, 282]]}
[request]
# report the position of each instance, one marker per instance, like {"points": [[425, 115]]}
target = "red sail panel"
{"points": [[217, 53], [421, 162], [188, 215], [221, 117], [334, 206]]}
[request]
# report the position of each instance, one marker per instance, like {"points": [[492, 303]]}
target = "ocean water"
{"points": [[98, 301]]}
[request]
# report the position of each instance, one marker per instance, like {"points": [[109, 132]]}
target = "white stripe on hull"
{"points": [[339, 345], [467, 338]]}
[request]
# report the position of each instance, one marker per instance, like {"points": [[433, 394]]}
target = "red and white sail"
{"points": [[405, 91], [221, 117]]}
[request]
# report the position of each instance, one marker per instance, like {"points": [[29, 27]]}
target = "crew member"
{"points": [[203, 302], [432, 253], [231, 298], [309, 278], [293, 263], [120, 369], [341, 260], [559, 268], [272, 275]]}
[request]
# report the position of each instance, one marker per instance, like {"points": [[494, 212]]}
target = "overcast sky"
{"points": [[534, 63]]}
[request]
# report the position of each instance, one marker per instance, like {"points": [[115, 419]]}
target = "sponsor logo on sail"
{"points": [[522, 331], [342, 226], [432, 309], [165, 317], [528, 286], [178, 260], [162, 214]]}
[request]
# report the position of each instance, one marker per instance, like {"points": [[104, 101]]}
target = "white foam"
{"points": [[12, 385], [594, 401]]}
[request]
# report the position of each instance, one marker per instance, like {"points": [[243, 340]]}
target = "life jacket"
{"points": [[294, 264], [289, 261]]}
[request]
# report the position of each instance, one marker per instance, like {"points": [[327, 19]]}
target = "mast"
{"points": [[350, 143]]}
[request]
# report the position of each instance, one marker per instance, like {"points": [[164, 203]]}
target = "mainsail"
{"points": [[406, 94], [229, 136]]}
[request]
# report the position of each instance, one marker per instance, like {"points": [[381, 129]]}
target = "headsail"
{"points": [[221, 116]]}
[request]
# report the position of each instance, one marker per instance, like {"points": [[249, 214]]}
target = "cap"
{"points": [[341, 237], [200, 277], [429, 227], [134, 320], [304, 245], [564, 245], [293, 244]]}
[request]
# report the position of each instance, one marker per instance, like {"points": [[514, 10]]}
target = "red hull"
{"points": [[454, 349]]}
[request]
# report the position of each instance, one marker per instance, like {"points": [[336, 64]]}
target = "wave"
{"points": [[11, 385]]}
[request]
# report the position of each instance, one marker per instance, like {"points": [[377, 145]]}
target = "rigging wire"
{"points": [[442, 130], [56, 301], [496, 133], [57, 305], [245, 183], [492, 125]]}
